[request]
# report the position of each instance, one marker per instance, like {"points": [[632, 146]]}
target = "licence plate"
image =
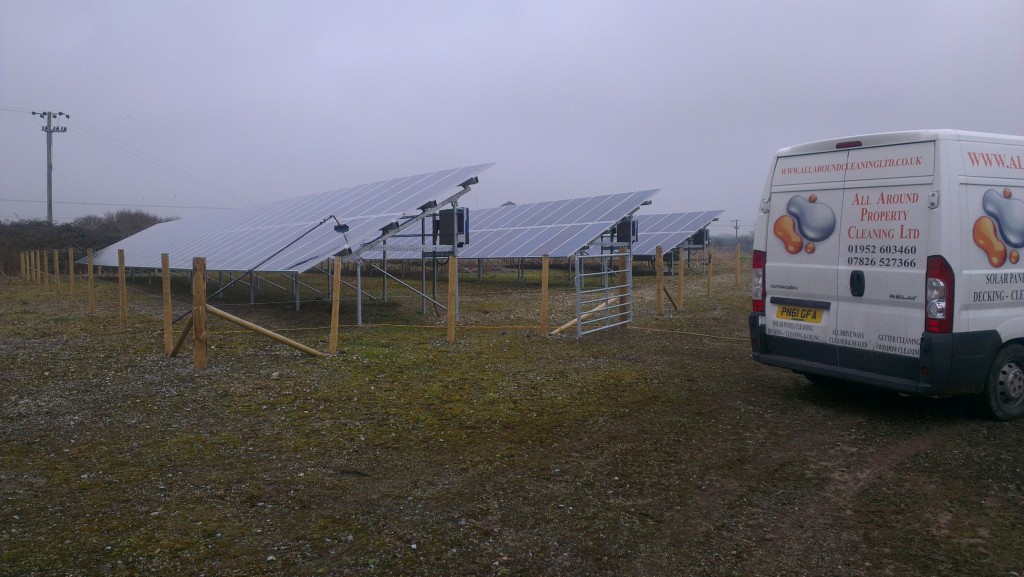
{"points": [[800, 314]]}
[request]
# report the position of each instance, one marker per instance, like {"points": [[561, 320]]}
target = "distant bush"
{"points": [[83, 233]]}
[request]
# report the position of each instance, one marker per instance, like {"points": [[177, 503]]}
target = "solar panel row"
{"points": [[558, 228], [669, 230], [291, 235]]}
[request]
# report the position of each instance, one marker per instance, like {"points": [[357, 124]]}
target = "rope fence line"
{"points": [[704, 335], [33, 270]]}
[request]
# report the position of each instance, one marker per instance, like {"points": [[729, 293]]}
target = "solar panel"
{"points": [[291, 235], [559, 228], [669, 230]]}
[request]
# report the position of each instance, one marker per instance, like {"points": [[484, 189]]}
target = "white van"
{"points": [[895, 260]]}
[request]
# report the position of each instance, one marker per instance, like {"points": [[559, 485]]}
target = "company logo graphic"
{"points": [[1003, 225], [806, 222]]}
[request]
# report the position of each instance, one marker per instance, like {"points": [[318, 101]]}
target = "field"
{"points": [[656, 449]]}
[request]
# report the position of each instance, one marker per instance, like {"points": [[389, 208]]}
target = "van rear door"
{"points": [[801, 278], [846, 257], [882, 258]]}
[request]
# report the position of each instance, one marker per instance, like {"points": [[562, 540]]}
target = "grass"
{"points": [[659, 449]]}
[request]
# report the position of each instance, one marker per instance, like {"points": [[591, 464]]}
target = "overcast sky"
{"points": [[180, 104]]}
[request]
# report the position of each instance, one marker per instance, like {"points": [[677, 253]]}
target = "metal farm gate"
{"points": [[604, 292]]}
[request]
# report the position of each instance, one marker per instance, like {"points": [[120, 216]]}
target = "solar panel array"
{"points": [[669, 230], [291, 235], [558, 228]]}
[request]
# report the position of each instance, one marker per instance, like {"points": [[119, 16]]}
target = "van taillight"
{"points": [[757, 282], [938, 296]]}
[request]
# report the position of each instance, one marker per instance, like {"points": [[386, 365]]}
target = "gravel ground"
{"points": [[659, 449]]}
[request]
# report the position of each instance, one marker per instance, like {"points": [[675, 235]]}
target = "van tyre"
{"points": [[1004, 391]]}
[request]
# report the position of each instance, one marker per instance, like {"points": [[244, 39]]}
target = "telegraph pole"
{"points": [[49, 129]]}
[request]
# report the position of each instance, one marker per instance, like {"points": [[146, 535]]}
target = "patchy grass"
{"points": [[658, 449]]}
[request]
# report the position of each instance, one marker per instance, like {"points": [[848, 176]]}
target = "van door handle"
{"points": [[857, 283]]}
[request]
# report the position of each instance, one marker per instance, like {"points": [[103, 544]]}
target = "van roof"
{"points": [[903, 137]]}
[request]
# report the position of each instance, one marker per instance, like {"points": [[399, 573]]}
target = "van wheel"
{"points": [[1004, 391]]}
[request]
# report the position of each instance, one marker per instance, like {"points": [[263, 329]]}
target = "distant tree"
{"points": [[83, 233], [746, 241]]}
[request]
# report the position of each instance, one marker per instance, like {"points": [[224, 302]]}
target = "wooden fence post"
{"points": [[122, 291], [165, 265], [453, 279], [46, 270], [335, 306], [545, 274], [659, 275], [90, 276], [737, 264], [199, 336], [71, 274], [682, 278], [56, 268], [711, 254]]}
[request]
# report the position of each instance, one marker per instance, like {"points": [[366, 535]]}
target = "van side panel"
{"points": [[993, 244]]}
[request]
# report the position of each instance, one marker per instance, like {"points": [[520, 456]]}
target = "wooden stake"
{"points": [[453, 279], [682, 280], [265, 332], [46, 271], [587, 315], [181, 338], [165, 265], [710, 255], [659, 275], [56, 268], [199, 336], [737, 264], [90, 281], [122, 291], [545, 274], [332, 347], [670, 299], [71, 274]]}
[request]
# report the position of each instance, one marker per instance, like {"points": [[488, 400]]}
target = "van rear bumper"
{"points": [[949, 364]]}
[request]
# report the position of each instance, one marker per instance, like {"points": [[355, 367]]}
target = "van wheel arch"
{"points": [[1003, 395]]}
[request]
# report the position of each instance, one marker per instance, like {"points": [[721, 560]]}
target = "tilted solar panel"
{"points": [[558, 228], [290, 235], [669, 230]]}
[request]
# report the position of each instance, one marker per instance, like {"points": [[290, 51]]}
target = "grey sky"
{"points": [[216, 103]]}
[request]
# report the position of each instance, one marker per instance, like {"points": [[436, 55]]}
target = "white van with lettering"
{"points": [[894, 260]]}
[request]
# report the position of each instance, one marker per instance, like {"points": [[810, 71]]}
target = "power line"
{"points": [[123, 148]]}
